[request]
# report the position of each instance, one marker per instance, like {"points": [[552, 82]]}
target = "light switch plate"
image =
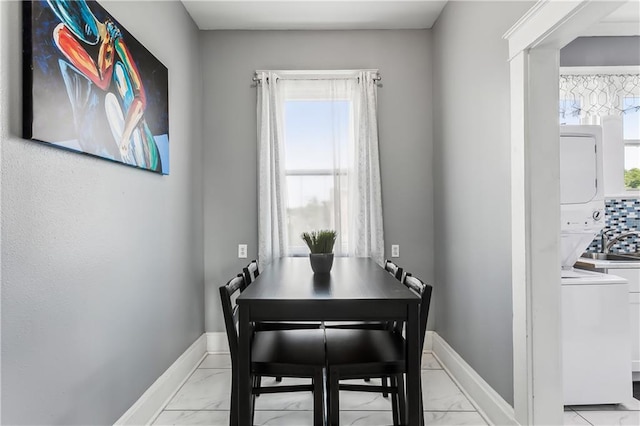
{"points": [[242, 251], [395, 250]]}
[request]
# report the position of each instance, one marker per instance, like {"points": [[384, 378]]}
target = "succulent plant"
{"points": [[320, 241]]}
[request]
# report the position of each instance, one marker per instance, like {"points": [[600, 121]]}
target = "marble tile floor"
{"points": [[204, 400], [603, 415]]}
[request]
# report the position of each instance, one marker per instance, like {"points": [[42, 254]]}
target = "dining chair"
{"points": [[393, 269], [250, 272], [275, 353], [360, 353]]}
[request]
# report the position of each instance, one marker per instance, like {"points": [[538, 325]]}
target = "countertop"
{"points": [[585, 263]]}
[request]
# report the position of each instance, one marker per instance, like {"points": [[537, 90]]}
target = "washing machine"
{"points": [[596, 341]]}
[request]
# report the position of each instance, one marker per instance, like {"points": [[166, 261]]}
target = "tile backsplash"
{"points": [[622, 215]]}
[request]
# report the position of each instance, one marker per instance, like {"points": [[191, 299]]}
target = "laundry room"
{"points": [[600, 219]]}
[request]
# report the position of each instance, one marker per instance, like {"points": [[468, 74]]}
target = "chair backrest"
{"points": [[393, 269], [228, 295], [424, 291], [250, 272]]}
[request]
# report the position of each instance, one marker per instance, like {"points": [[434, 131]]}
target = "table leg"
{"points": [[414, 395], [244, 368]]}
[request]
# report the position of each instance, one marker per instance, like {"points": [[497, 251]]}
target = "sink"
{"points": [[624, 257]]}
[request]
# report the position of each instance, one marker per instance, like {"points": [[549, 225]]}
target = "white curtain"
{"points": [[349, 148], [592, 96], [365, 194], [272, 232]]}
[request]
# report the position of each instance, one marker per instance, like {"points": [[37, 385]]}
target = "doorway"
{"points": [[534, 49]]}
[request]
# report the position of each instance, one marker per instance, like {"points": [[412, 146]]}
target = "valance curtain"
{"points": [[358, 213], [591, 96]]}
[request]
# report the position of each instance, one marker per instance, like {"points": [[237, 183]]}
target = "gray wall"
{"points": [[102, 264], [472, 186], [601, 51], [229, 60]]}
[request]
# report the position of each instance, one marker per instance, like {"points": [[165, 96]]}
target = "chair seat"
{"points": [[293, 347], [367, 325], [349, 347], [282, 325]]}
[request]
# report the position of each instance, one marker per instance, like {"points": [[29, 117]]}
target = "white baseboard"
{"points": [[149, 405], [488, 401], [428, 341], [217, 342]]}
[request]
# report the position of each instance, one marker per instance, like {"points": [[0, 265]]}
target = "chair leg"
{"points": [[318, 398], [334, 397], [394, 402], [421, 407], [257, 382], [402, 401], [383, 381], [253, 407], [233, 415]]}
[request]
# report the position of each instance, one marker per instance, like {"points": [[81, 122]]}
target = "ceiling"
{"points": [[628, 12], [624, 21], [313, 14], [357, 14]]}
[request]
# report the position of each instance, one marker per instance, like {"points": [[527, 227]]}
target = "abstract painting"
{"points": [[91, 87]]}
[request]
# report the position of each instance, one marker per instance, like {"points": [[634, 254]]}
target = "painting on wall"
{"points": [[91, 87]]}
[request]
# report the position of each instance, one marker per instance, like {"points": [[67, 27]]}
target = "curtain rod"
{"points": [[317, 75]]}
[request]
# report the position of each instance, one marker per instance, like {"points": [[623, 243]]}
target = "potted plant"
{"points": [[320, 244]]}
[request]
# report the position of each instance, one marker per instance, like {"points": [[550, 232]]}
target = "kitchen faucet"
{"points": [[608, 243]]}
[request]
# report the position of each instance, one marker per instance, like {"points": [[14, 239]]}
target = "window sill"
{"points": [[627, 194]]}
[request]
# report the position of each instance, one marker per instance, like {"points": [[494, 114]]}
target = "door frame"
{"points": [[534, 51]]}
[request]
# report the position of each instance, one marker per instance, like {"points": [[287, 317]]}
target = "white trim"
{"points": [[490, 404], [537, 23], [618, 69], [556, 23], [154, 399], [528, 16], [630, 194], [520, 292], [542, 166], [217, 342], [428, 341], [534, 45]]}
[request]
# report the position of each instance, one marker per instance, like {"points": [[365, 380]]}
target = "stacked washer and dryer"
{"points": [[595, 307]]}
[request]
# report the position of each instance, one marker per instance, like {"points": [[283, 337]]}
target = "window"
{"points": [[631, 136], [590, 93], [569, 111], [318, 138], [318, 162]]}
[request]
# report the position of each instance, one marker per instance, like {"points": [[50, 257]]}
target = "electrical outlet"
{"points": [[242, 251], [395, 250]]}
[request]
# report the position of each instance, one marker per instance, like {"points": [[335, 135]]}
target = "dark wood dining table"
{"points": [[356, 289]]}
